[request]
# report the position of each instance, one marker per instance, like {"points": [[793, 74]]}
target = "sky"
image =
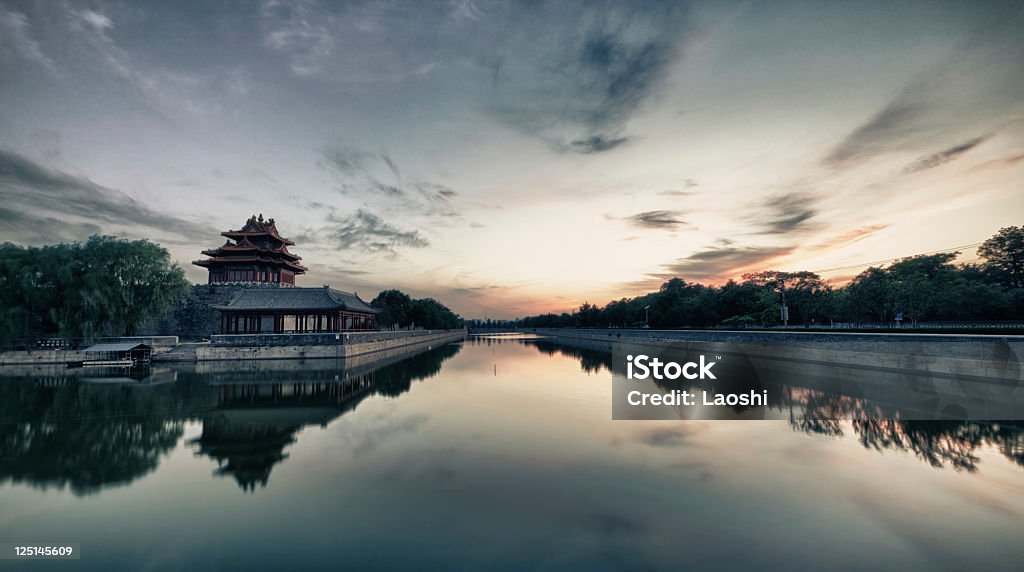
{"points": [[513, 158]]}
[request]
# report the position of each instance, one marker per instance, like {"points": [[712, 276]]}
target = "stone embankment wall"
{"points": [[265, 346], [160, 344], [964, 356], [192, 318]]}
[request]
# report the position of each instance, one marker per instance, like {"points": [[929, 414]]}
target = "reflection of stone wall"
{"points": [[345, 346]]}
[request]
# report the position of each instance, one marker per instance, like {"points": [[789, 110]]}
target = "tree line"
{"points": [[920, 288], [104, 286], [400, 310]]}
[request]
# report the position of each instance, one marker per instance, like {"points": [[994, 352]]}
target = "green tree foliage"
{"points": [[400, 310], [396, 308], [105, 286], [919, 288], [1004, 252]]}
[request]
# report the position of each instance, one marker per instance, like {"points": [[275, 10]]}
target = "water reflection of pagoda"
{"points": [[253, 422]]}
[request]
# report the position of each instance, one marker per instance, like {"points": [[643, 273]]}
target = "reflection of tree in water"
{"points": [[938, 443], [942, 443], [83, 436], [822, 413], [395, 379], [591, 361]]}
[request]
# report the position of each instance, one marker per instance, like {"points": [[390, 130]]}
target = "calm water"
{"points": [[484, 455]]}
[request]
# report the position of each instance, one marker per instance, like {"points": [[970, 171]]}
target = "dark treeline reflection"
{"points": [[88, 436], [591, 361], [942, 444], [65, 432]]}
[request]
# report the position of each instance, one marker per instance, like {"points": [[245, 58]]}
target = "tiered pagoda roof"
{"points": [[256, 245]]}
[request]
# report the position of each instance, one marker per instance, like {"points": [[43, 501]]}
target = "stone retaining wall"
{"points": [[299, 346], [995, 357]]}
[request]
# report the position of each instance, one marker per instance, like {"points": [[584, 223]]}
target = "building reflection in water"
{"points": [[252, 423], [59, 429]]}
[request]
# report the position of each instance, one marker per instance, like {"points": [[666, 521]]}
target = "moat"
{"points": [[497, 452]]}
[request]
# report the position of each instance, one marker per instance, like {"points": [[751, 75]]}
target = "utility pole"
{"points": [[785, 309]]}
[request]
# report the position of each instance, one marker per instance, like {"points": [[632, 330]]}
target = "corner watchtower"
{"points": [[256, 254]]}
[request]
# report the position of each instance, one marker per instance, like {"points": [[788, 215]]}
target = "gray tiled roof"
{"points": [[296, 299], [118, 347]]}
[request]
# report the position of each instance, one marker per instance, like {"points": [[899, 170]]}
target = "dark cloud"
{"points": [[976, 88], [658, 219], [368, 233], [719, 263], [943, 157], [346, 161], [891, 126], [595, 144], [375, 176], [785, 213], [39, 201], [33, 229], [577, 85], [386, 189], [391, 164], [433, 200]]}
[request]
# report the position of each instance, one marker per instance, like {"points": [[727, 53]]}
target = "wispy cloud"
{"points": [[39, 201], [366, 233], [301, 30], [719, 263], [975, 89], [849, 237], [684, 192], [667, 220], [16, 36], [1007, 161], [895, 124], [25, 228], [943, 157], [375, 176], [785, 213], [165, 92]]}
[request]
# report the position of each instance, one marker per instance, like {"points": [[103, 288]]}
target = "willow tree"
{"points": [[106, 286]]}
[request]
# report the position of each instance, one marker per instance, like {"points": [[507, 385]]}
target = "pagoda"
{"points": [[256, 254]]}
